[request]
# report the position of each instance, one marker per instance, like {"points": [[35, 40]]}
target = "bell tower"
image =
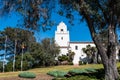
{"points": [[62, 35]]}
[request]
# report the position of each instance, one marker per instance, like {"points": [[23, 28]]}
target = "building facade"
{"points": [[62, 38]]}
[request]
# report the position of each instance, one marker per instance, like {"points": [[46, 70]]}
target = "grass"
{"points": [[47, 69]]}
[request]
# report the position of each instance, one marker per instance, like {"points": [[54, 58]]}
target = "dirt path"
{"points": [[38, 77]]}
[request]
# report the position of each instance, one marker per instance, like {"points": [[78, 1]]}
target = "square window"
{"points": [[61, 38], [76, 47]]}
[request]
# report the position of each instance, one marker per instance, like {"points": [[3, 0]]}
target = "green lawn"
{"points": [[47, 69]]}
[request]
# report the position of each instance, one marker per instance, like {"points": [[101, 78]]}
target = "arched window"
{"points": [[61, 29]]}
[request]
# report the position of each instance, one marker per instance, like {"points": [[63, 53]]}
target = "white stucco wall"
{"points": [[63, 51], [79, 53], [62, 35], [62, 39]]}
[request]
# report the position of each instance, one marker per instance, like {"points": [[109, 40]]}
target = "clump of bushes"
{"points": [[80, 71], [27, 75], [65, 59], [76, 71], [72, 72], [57, 73], [83, 74], [82, 62]]}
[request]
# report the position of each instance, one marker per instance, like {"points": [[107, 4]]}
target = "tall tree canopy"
{"points": [[103, 20], [16, 34], [33, 11], [44, 53]]}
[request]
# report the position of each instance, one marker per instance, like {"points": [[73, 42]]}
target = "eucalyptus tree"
{"points": [[22, 36], [100, 16], [6, 45], [15, 38], [32, 11]]}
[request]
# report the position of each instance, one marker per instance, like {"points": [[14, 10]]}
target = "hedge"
{"points": [[57, 73], [27, 75]]}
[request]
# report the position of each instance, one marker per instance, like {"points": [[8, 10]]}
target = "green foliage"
{"points": [[90, 70], [44, 53], [18, 36], [30, 10], [27, 75], [70, 55], [9, 66], [63, 58], [84, 74], [79, 77], [27, 61], [1, 67], [57, 73], [77, 71], [35, 55], [70, 63], [66, 59], [81, 71], [82, 62], [91, 53]]}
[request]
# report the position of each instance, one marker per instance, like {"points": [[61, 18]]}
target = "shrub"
{"points": [[70, 63], [27, 75], [77, 71], [78, 77], [81, 71], [84, 74], [90, 70], [80, 62], [63, 58], [57, 73]]}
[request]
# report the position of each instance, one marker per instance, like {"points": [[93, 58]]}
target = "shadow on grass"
{"points": [[98, 75]]}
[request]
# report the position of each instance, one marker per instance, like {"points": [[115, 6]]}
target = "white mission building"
{"points": [[62, 38]]}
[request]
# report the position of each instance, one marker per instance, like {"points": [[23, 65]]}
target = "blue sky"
{"points": [[78, 32]]}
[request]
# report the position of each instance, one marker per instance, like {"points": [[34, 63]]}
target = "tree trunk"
{"points": [[111, 72], [108, 56], [109, 63]]}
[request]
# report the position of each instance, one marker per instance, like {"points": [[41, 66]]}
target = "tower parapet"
{"points": [[62, 35]]}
